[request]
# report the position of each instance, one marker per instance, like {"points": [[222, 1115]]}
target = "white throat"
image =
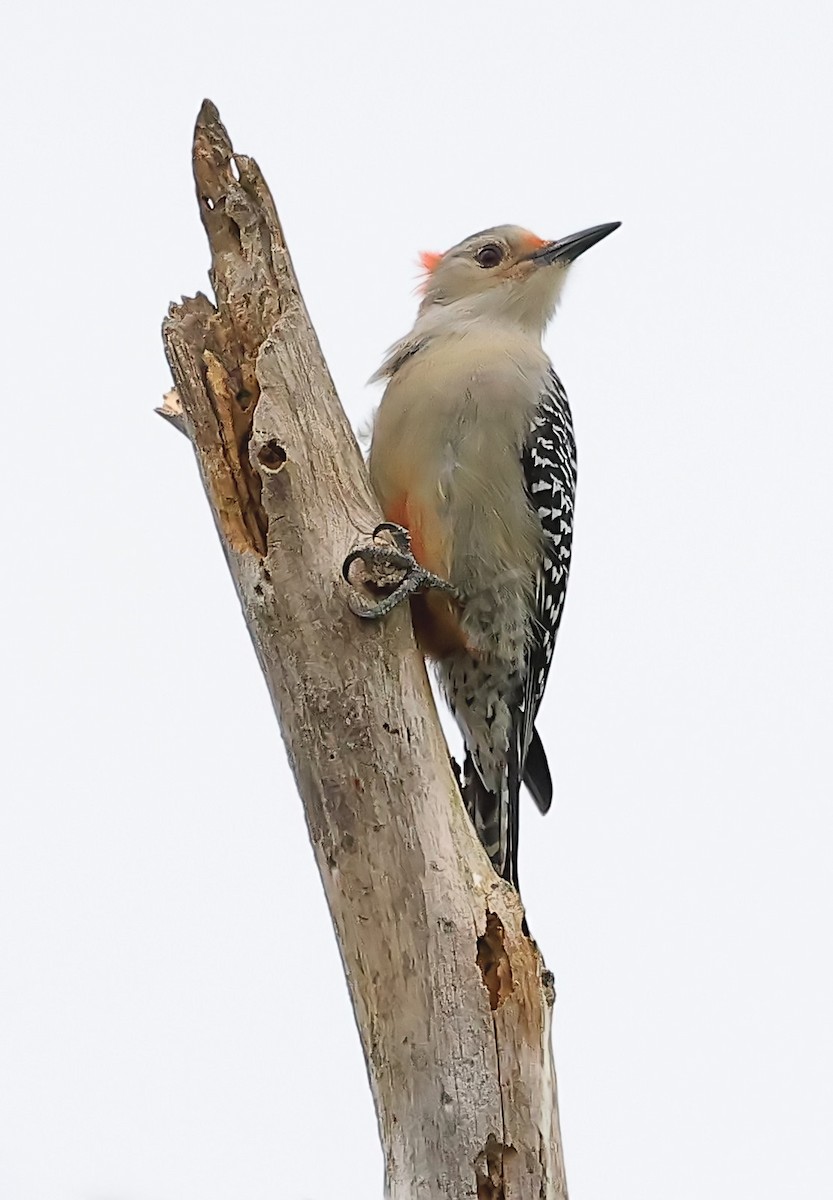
{"points": [[527, 305]]}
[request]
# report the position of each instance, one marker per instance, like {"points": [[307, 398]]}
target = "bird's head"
{"points": [[506, 273]]}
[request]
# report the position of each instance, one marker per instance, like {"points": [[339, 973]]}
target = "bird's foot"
{"points": [[387, 567]]}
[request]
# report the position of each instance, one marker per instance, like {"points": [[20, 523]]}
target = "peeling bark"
{"points": [[452, 999]]}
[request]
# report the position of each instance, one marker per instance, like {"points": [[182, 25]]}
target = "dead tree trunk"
{"points": [[452, 1000]]}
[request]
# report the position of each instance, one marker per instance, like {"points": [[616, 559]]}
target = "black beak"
{"points": [[567, 250]]}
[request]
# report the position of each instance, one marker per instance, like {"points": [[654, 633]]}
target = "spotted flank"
{"points": [[549, 463]]}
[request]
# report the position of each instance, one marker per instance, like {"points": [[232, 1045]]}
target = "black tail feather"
{"points": [[510, 870], [537, 773], [484, 808], [500, 840]]}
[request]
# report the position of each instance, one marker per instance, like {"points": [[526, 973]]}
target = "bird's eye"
{"points": [[489, 256]]}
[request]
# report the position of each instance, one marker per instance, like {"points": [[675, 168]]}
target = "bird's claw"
{"points": [[400, 535], [390, 566]]}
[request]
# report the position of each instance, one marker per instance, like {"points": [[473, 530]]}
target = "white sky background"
{"points": [[175, 1025]]}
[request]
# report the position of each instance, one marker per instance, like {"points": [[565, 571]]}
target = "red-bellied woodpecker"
{"points": [[473, 454]]}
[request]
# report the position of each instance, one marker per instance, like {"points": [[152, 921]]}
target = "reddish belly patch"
{"points": [[436, 616]]}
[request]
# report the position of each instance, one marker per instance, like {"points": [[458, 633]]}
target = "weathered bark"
{"points": [[452, 1000]]}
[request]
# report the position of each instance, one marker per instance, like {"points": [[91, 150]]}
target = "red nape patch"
{"points": [[430, 260]]}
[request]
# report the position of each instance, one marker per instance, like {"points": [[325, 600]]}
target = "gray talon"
{"points": [[386, 560], [399, 533]]}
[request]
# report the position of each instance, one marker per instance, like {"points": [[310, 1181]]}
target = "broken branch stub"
{"points": [[448, 991]]}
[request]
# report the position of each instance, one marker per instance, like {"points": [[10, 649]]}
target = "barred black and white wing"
{"points": [[549, 464]]}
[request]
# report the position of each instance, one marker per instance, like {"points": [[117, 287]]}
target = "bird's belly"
{"points": [[477, 531], [436, 615], [446, 464]]}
